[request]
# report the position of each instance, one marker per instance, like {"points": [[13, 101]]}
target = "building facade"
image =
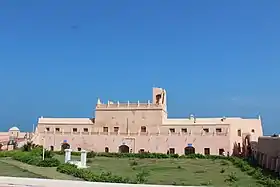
{"points": [[13, 135], [268, 153], [138, 127]]}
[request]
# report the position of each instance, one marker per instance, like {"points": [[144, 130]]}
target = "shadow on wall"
{"points": [[247, 149], [236, 150]]}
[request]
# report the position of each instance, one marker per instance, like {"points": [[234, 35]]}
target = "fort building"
{"points": [[145, 127]]}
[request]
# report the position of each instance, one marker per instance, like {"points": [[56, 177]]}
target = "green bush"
{"points": [[32, 158], [87, 175], [8, 153]]}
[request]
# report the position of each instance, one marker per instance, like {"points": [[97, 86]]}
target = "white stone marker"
{"points": [[83, 158], [67, 155]]}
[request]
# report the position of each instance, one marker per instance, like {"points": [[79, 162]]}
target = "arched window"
{"points": [[106, 149], [143, 129], [52, 148]]}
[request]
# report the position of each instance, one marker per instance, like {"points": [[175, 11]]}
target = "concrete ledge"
{"points": [[30, 182]]}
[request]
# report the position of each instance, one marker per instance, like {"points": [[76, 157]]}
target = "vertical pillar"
{"points": [[277, 165], [67, 155], [83, 158], [272, 164]]}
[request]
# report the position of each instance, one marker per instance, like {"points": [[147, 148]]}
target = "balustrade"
{"points": [[141, 133]]}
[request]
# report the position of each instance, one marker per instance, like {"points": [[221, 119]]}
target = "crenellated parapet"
{"points": [[128, 105]]}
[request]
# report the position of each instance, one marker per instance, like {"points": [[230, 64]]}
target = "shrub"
{"points": [[8, 153], [133, 163], [34, 159], [91, 154], [231, 177], [27, 147], [141, 177]]}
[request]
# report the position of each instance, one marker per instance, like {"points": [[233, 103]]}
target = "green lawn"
{"points": [[15, 168], [173, 171], [14, 171]]}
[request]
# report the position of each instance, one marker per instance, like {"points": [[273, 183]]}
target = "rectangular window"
{"points": [[75, 130], [85, 129], [57, 129], [105, 129], [239, 132], [172, 130], [206, 151], [116, 129], [221, 151], [184, 130], [218, 130], [206, 130], [47, 129], [171, 150], [143, 129]]}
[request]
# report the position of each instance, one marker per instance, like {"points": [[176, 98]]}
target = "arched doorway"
{"points": [[64, 146], [106, 149], [189, 150], [124, 149]]}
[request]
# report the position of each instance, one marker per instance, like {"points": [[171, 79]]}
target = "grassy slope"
{"points": [[14, 171], [50, 173], [173, 171]]}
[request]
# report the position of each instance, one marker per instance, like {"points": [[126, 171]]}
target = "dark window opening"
{"points": [[218, 130], [52, 148], [57, 129], [116, 129], [106, 149], [85, 129], [221, 151], [143, 129], [75, 130], [158, 97], [105, 129], [47, 129], [206, 130], [239, 132], [171, 150], [172, 130], [79, 149], [184, 130], [141, 150], [206, 151]]}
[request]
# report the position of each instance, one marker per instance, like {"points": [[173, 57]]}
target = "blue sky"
{"points": [[215, 58]]}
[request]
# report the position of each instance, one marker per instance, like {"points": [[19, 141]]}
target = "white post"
{"points": [[67, 155], [83, 158], [44, 140]]}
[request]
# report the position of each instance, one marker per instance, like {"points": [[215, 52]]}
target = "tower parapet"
{"points": [[158, 103], [128, 105]]}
